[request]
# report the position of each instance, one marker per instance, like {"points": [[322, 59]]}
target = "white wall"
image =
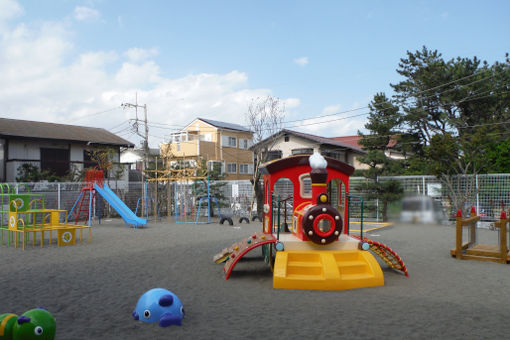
{"points": [[293, 143]]}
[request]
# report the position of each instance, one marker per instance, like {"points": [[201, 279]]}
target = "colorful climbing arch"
{"points": [[387, 254], [234, 253]]}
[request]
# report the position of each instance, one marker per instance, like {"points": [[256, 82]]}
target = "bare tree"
{"points": [[265, 119]]}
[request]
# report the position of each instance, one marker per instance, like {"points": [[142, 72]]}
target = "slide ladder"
{"points": [[387, 254], [233, 254], [83, 203]]}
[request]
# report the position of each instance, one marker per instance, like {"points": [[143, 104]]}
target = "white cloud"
{"points": [[9, 9], [44, 80], [301, 61], [331, 109], [333, 125], [140, 54], [82, 13], [291, 103]]}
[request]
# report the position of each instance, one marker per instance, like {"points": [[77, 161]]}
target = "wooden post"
{"points": [[458, 244], [502, 237], [472, 228]]}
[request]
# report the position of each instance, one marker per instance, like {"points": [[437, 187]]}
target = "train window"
{"points": [[335, 192], [305, 185], [324, 225]]}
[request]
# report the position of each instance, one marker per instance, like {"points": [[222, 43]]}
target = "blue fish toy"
{"points": [[159, 304]]}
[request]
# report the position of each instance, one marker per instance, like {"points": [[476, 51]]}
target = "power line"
{"points": [[413, 96], [97, 113]]}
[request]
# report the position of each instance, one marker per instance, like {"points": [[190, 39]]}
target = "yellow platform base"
{"points": [[326, 270]]}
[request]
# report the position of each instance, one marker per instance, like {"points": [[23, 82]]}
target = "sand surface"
{"points": [[92, 288]]}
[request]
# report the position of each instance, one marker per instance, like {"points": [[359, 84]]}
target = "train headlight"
{"points": [[322, 199]]}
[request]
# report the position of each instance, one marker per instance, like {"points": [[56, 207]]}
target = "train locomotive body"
{"points": [[318, 216], [310, 246], [317, 252]]}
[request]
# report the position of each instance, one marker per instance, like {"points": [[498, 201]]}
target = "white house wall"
{"points": [[293, 143]]}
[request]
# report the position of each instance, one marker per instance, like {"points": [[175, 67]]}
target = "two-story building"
{"points": [[288, 143], [56, 148], [223, 146]]}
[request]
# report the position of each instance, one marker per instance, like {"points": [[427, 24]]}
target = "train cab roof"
{"points": [[276, 166]]}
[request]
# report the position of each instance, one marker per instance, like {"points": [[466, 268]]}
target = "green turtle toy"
{"points": [[35, 324]]}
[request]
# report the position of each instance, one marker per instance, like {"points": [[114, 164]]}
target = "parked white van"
{"points": [[422, 209]]}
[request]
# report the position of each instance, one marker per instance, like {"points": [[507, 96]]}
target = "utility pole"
{"points": [[135, 125], [145, 141]]}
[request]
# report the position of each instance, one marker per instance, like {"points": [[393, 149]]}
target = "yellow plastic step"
{"points": [[326, 270]]}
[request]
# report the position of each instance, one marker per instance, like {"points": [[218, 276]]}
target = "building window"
{"points": [[229, 141], [232, 168], [206, 137], [88, 162], [246, 169], [274, 154], [333, 154], [178, 147], [244, 143], [287, 138], [56, 161], [216, 166], [304, 151]]}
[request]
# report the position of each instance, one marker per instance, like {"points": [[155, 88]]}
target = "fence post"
{"points": [[58, 195], [423, 186], [477, 195], [377, 203]]}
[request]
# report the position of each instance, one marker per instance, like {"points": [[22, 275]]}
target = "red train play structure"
{"points": [[315, 250]]}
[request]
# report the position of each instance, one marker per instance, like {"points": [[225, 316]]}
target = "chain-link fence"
{"points": [[489, 194]]}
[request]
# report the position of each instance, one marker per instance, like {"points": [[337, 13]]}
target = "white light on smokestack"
{"points": [[317, 161]]}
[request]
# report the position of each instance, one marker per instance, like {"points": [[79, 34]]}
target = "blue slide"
{"points": [[127, 214]]}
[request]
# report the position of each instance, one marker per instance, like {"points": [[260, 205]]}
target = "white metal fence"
{"points": [[491, 195]]}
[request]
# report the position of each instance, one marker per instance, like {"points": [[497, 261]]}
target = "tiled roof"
{"points": [[324, 140], [224, 125], [354, 140], [52, 131]]}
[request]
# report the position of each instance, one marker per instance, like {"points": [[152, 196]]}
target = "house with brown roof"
{"points": [[288, 142], [57, 148], [223, 146], [391, 151]]}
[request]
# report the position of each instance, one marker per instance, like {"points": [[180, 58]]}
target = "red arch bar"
{"points": [[241, 254]]}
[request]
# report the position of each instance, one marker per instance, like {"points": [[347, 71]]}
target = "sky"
{"points": [[77, 62]]}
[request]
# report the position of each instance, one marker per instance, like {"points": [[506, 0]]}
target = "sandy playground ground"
{"points": [[92, 288]]}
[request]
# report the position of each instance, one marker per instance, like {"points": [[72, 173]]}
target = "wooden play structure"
{"points": [[315, 250], [472, 250], [187, 206]]}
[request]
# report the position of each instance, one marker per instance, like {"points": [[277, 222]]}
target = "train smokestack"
{"points": [[319, 174]]}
